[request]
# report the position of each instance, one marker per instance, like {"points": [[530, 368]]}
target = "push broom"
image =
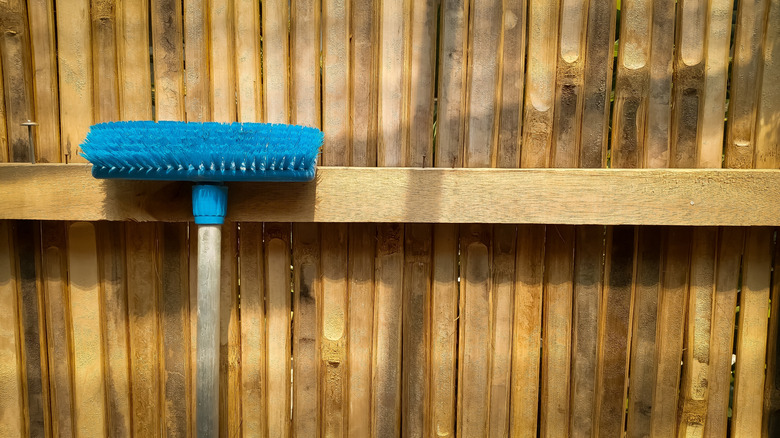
{"points": [[207, 154]]}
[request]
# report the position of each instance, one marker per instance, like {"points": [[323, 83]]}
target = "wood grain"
{"points": [[421, 70], [572, 196], [276, 82], [512, 83], [658, 137], [335, 82], [135, 88], [222, 74], [168, 55], [12, 420], [364, 79], [248, 85], [305, 59], [392, 140], [104, 60], [197, 102], [767, 155], [453, 68], [4, 157], [770, 425]]}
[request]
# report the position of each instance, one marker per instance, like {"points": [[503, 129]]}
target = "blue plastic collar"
{"points": [[209, 204]]}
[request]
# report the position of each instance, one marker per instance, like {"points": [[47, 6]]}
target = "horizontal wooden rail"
{"points": [[354, 194]]}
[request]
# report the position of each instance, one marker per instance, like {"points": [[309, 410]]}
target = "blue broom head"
{"points": [[202, 152]]}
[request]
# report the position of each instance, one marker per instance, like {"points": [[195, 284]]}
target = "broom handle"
{"points": [[207, 374]]}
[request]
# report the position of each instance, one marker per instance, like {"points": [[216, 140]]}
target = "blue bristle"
{"points": [[202, 151]]}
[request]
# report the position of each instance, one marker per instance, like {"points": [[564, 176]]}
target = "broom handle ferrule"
{"points": [[207, 374]]}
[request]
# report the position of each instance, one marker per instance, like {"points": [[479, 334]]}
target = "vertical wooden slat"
{"points": [[771, 426], [643, 332], [135, 88], [89, 392], [364, 89], [633, 70], [32, 308], [745, 83], [277, 287], [512, 83], [556, 329], [74, 50], [4, 157], [45, 85], [416, 332], [253, 351], [453, 43], [307, 284], [362, 243], [230, 336], [333, 370], [615, 331], [104, 61], [335, 82], [569, 83], [111, 247], [723, 315], [540, 82], [142, 307], [386, 361], [527, 331], [767, 154], [597, 82], [17, 80], [421, 69], [174, 324], [444, 330], [247, 42], [503, 282], [672, 303], [696, 353], [58, 326], [394, 23], [222, 74], [475, 324], [588, 282], [197, 102], [752, 334], [305, 60], [718, 41], [12, 421], [168, 60], [657, 137], [276, 82]]}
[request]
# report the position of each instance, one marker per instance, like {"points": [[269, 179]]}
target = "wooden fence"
{"points": [[387, 329]]}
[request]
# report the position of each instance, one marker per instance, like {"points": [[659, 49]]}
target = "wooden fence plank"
{"points": [[569, 79], [230, 337], [752, 334], [306, 330], [197, 101], [416, 332], [362, 249], [453, 44], [556, 329], [475, 326], [333, 370], [305, 59], [392, 143], [722, 344], [643, 333], [421, 71], [672, 303], [388, 322], [770, 425], [4, 154], [512, 84], [247, 41], [111, 248], [658, 135], [135, 88], [364, 89], [12, 409], [104, 60], [277, 287], [276, 83], [597, 83], [54, 266], [17, 80], [74, 51], [615, 331], [335, 82], [540, 88], [767, 155], [89, 393], [527, 331], [588, 283], [696, 357], [168, 60], [253, 351], [718, 41], [45, 84], [633, 71], [745, 83], [222, 75], [175, 326], [503, 283], [143, 310]]}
